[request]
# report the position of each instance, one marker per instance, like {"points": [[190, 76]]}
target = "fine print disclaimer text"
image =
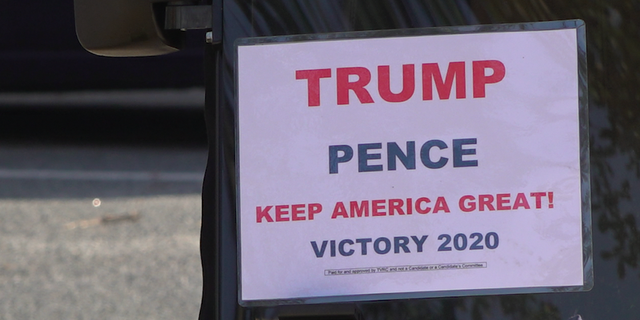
{"points": [[409, 268]]}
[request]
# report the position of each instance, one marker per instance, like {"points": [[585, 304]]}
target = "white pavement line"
{"points": [[101, 175]]}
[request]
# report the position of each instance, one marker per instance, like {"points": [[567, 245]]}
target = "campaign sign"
{"points": [[412, 163]]}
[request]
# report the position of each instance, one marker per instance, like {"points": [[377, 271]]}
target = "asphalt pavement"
{"points": [[100, 212]]}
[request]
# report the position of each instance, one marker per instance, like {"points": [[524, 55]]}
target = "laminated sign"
{"points": [[413, 163]]}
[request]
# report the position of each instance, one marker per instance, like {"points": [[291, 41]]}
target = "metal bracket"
{"points": [[188, 17]]}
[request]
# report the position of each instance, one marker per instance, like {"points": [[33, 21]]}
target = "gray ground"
{"points": [[133, 256]]}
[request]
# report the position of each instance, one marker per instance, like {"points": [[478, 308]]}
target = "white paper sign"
{"points": [[409, 164]]}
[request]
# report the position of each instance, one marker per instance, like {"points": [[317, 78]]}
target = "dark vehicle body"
{"points": [[39, 51]]}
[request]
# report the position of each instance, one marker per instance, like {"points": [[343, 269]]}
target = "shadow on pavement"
{"points": [[67, 153]]}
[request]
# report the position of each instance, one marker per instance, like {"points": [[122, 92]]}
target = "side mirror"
{"points": [[125, 28]]}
